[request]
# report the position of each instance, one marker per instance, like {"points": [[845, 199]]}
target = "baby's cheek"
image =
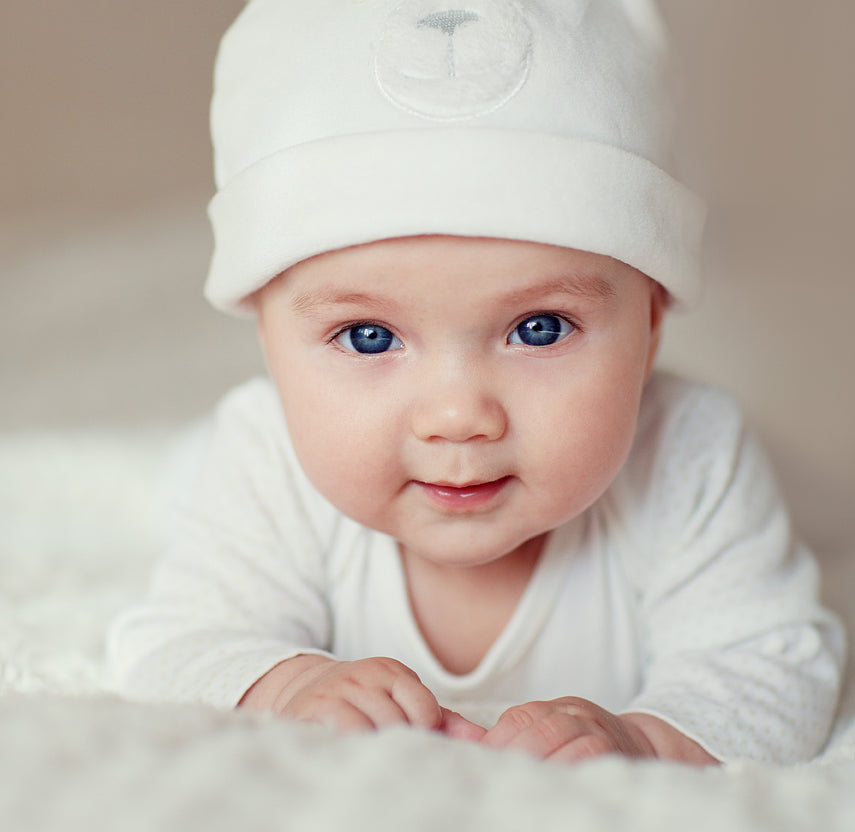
{"points": [[344, 469], [583, 460]]}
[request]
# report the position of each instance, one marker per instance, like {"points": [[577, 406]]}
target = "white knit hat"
{"points": [[338, 122]]}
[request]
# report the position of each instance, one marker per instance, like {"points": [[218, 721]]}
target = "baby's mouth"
{"points": [[464, 497]]}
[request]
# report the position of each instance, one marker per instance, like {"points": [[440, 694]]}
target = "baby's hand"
{"points": [[566, 730], [571, 729], [353, 696]]}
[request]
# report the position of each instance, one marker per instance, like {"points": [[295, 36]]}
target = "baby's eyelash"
{"points": [[555, 313], [342, 328]]}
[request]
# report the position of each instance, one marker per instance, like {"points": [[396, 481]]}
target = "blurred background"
{"points": [[104, 243]]}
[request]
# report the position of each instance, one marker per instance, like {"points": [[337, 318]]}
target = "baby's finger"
{"points": [[378, 706], [337, 713], [416, 701], [511, 723], [552, 732], [458, 727], [584, 748]]}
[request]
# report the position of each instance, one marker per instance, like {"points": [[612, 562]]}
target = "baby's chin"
{"points": [[455, 553]]}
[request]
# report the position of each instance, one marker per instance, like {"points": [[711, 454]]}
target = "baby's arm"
{"points": [[739, 654], [353, 696], [242, 586], [570, 729]]}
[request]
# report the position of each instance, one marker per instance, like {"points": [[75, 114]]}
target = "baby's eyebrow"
{"points": [[307, 304], [593, 287]]}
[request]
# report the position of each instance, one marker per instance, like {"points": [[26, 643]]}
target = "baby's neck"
{"points": [[462, 610]]}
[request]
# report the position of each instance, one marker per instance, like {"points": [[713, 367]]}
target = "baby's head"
{"points": [[463, 395], [457, 233]]}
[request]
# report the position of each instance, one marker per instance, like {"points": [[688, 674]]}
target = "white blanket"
{"points": [[82, 518]]}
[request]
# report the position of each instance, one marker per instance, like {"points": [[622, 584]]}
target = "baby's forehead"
{"points": [[428, 250], [460, 265]]}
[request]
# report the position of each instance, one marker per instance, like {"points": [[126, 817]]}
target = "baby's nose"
{"points": [[459, 413]]}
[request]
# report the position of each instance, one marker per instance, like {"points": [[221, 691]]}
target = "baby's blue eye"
{"points": [[541, 331], [368, 339]]}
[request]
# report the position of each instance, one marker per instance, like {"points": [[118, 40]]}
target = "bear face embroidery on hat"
{"points": [[453, 63]]}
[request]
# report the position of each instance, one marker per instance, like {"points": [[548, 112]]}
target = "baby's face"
{"points": [[462, 395]]}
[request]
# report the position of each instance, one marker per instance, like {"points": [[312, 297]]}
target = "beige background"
{"points": [[104, 176]]}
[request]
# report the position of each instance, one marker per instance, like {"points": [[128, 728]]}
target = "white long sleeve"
{"points": [[243, 586], [738, 653]]}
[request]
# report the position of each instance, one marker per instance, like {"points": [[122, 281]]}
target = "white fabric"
{"points": [[336, 123], [680, 593], [78, 765]]}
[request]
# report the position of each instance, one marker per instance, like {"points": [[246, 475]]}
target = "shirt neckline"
{"points": [[526, 621]]}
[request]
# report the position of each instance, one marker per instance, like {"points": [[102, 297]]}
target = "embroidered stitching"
{"points": [[447, 22]]}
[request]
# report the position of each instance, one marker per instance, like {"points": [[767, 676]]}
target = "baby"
{"points": [[465, 501]]}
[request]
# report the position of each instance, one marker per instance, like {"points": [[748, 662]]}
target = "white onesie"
{"points": [[680, 593]]}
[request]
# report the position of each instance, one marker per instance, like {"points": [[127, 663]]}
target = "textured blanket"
{"points": [[83, 517]]}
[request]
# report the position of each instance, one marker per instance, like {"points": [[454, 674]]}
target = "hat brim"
{"points": [[460, 181]]}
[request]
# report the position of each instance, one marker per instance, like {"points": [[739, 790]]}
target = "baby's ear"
{"points": [[660, 303], [660, 300]]}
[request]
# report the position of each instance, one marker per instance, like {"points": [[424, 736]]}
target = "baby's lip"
{"points": [[465, 485], [462, 485], [466, 496]]}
